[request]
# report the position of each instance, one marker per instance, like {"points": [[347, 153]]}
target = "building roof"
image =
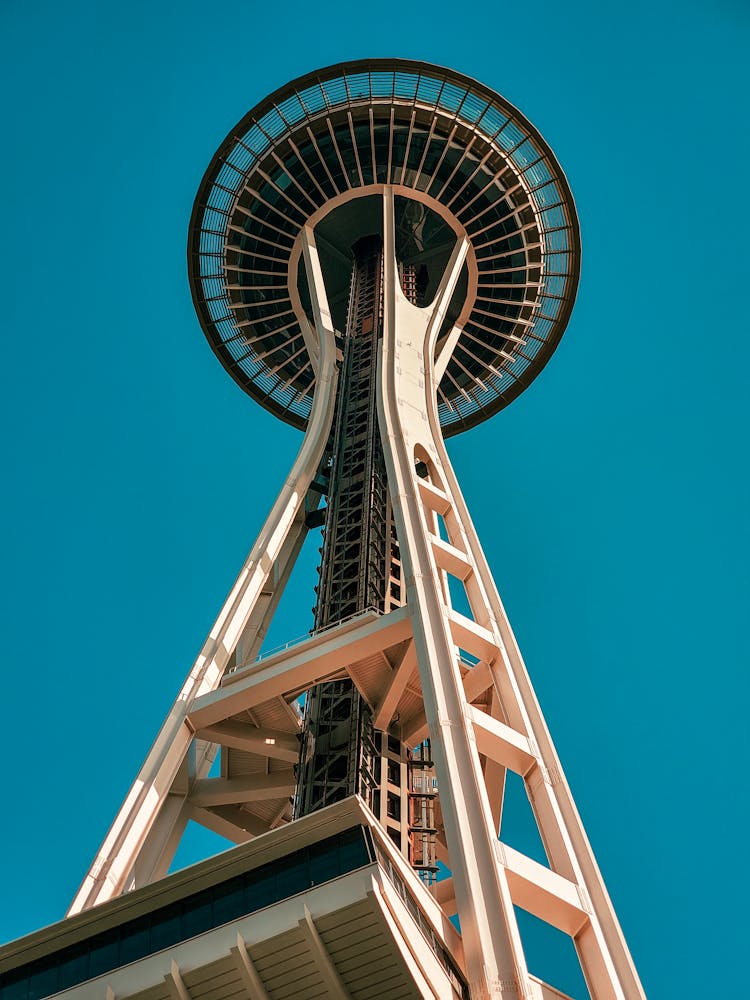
{"points": [[325, 907]]}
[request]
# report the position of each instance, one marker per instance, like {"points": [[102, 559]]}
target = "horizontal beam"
{"points": [[433, 498], [253, 788], [474, 638], [394, 688], [253, 739], [501, 743], [295, 669], [451, 559], [534, 888], [544, 893]]}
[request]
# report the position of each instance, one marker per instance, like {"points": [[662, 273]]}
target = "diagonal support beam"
{"points": [[501, 743], [409, 428], [477, 680], [248, 973], [334, 983], [253, 739], [445, 350], [229, 791], [443, 297], [117, 856], [544, 893], [395, 687], [318, 297], [176, 984], [318, 658], [231, 822]]}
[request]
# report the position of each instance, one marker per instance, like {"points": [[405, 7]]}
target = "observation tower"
{"points": [[383, 254]]}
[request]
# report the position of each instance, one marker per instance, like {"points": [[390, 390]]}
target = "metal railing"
{"points": [[266, 654]]}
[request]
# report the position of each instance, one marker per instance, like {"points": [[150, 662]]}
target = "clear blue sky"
{"points": [[611, 497]]}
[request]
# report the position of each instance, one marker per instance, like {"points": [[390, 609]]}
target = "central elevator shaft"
{"points": [[360, 570], [360, 566]]}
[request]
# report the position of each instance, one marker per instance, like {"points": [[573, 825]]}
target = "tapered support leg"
{"points": [[482, 719], [492, 946], [487, 877], [144, 821]]}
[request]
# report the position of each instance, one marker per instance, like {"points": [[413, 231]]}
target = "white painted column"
{"points": [[110, 871], [492, 946]]}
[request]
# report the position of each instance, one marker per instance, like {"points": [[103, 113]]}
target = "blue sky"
{"points": [[611, 497]]}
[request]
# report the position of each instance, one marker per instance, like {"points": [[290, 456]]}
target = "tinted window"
{"points": [[193, 915], [166, 928]]}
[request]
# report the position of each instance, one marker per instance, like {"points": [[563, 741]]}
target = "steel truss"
{"points": [[481, 719], [359, 553]]}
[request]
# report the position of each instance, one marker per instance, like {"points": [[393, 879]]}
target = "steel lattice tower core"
{"points": [[383, 254]]}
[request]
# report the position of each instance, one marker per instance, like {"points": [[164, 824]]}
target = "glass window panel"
{"points": [[510, 136], [335, 91], [313, 99], [260, 890], [134, 941], [218, 310], [18, 990], [557, 240], [293, 875], [324, 863], [229, 178], [492, 121], [229, 901], [452, 96], [218, 198], [104, 954], [352, 850], [539, 173], [273, 124], [473, 107], [197, 915], [214, 220], [210, 243], [550, 307], [292, 110], [406, 85], [382, 84], [74, 967], [428, 89], [166, 927], [42, 981], [525, 154], [547, 195], [241, 157], [358, 84], [553, 217]]}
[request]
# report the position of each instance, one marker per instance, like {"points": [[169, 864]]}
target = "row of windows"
{"points": [[200, 912], [445, 959]]}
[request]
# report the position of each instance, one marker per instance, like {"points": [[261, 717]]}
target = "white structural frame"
{"points": [[472, 745]]}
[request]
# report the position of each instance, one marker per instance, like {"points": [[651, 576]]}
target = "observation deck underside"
{"points": [[463, 160]]}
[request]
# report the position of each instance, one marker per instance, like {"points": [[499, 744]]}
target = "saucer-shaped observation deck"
{"points": [[461, 161]]}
